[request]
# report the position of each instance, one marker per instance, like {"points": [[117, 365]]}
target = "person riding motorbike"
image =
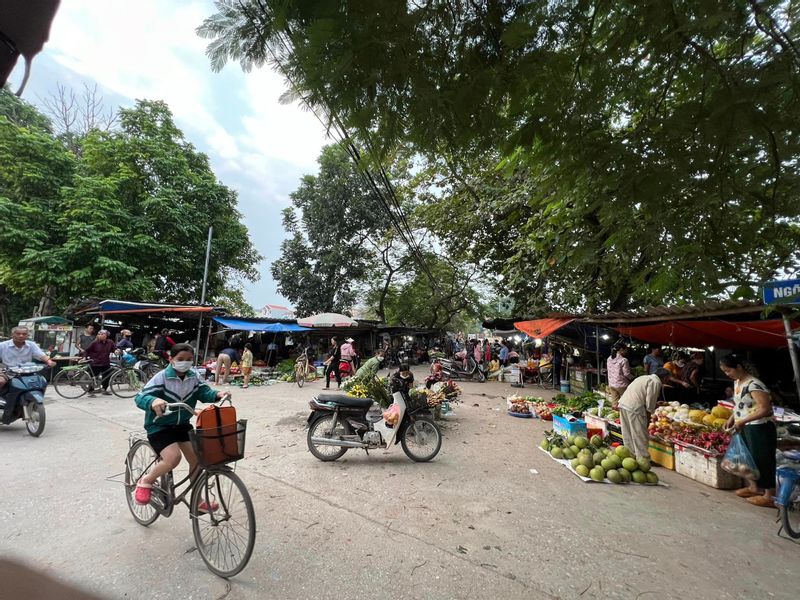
{"points": [[13, 353]]}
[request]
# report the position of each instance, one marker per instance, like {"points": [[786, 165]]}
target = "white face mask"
{"points": [[380, 359], [182, 365]]}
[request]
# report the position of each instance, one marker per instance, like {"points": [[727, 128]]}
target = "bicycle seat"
{"points": [[345, 400]]}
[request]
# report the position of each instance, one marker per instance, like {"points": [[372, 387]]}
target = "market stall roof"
{"points": [[681, 312], [717, 332], [259, 325], [541, 328], [51, 320], [110, 307]]}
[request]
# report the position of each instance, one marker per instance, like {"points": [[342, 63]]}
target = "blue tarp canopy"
{"points": [[243, 325]]}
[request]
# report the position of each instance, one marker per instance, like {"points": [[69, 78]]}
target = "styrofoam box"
{"points": [[704, 468]]}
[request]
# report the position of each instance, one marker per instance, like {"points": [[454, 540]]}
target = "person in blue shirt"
{"points": [[224, 361], [503, 352], [653, 361], [14, 352]]}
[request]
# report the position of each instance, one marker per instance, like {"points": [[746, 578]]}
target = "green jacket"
{"points": [[168, 386]]}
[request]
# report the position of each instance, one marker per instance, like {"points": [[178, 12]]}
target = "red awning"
{"points": [[731, 335], [541, 328]]}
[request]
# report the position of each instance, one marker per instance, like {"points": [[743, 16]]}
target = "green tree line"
{"points": [[597, 155], [121, 213]]}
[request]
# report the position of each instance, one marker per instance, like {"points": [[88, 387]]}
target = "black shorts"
{"points": [[164, 437]]}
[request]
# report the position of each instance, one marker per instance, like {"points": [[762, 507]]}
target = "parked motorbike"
{"points": [[26, 391], [339, 422], [454, 369], [149, 364]]}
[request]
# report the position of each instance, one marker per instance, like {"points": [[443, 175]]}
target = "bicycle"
{"points": [[304, 370], [225, 532], [74, 381]]}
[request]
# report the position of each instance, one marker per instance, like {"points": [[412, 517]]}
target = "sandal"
{"points": [[747, 493], [244, 387], [762, 501], [144, 492], [203, 506]]}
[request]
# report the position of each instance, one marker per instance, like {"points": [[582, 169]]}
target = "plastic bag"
{"points": [[392, 415], [739, 461]]}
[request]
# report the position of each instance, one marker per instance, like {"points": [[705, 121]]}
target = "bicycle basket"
{"points": [[219, 445]]}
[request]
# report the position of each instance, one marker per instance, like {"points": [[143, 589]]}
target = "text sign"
{"points": [[782, 292]]}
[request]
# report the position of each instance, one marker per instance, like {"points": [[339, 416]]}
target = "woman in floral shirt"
{"points": [[752, 416]]}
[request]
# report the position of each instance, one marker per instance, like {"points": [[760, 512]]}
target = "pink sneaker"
{"points": [[143, 493], [203, 508]]}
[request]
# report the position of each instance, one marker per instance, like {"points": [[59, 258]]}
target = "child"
{"points": [[247, 364], [169, 435]]}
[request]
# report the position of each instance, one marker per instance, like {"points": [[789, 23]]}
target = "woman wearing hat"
{"points": [[349, 354]]}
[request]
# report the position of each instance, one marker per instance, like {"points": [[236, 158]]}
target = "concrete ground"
{"points": [[490, 517]]}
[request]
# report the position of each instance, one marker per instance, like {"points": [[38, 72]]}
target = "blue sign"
{"points": [[782, 292]]}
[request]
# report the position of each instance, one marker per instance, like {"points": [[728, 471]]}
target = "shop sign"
{"points": [[782, 292]]}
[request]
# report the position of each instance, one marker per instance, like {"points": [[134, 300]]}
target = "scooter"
{"points": [[454, 369], [26, 391], [339, 422]]}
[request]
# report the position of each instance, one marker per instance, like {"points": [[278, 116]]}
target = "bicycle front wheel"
{"points": [[72, 383], [300, 376], [223, 522], [126, 383]]}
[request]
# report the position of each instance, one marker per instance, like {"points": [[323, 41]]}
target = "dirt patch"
{"points": [[296, 420]]}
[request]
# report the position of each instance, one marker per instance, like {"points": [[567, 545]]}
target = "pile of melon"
{"points": [[595, 460]]}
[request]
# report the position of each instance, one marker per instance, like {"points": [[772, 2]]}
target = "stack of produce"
{"points": [[715, 442], [377, 388], [607, 413], [517, 404], [544, 410], [594, 459], [579, 403]]}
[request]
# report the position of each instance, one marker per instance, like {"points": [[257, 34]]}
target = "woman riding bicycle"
{"points": [[169, 434]]}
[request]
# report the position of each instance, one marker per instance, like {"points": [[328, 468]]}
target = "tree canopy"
{"points": [[600, 154], [127, 218]]}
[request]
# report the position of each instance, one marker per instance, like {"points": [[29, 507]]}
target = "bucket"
{"points": [[565, 387]]}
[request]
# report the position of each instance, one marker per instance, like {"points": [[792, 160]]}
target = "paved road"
{"points": [[474, 523]]}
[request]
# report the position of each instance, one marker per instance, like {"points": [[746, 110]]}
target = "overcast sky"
{"points": [[149, 49]]}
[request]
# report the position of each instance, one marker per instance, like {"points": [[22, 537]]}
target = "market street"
{"points": [[491, 517]]}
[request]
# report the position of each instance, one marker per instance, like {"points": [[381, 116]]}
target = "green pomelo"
{"points": [[630, 464], [644, 464], [616, 460], [596, 440], [597, 474], [598, 457], [626, 475], [614, 476], [570, 440], [574, 449], [639, 477], [607, 464], [586, 461], [568, 454], [582, 470], [574, 462], [544, 444], [557, 452], [581, 442], [652, 478], [607, 451], [623, 452]]}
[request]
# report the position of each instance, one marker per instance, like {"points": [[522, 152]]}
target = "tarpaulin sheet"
{"points": [[122, 307], [541, 328], [256, 326], [730, 335]]}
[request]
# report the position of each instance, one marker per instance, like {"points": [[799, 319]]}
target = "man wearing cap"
{"points": [[99, 354], [636, 405]]}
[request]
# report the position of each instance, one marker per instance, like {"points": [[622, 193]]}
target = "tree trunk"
{"points": [[47, 302], [5, 300]]}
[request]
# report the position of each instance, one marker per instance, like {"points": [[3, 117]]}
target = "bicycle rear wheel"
{"points": [[141, 458], [72, 383], [300, 375], [126, 383], [225, 534]]}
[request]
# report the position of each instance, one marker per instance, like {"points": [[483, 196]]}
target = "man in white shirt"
{"points": [[636, 405], [17, 351]]}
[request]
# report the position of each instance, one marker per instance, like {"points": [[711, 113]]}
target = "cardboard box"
{"points": [[662, 453], [704, 467], [563, 426]]}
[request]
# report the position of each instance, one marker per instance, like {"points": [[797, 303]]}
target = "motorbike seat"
{"points": [[345, 400]]}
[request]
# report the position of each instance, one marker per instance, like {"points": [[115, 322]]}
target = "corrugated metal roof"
{"points": [[687, 311]]}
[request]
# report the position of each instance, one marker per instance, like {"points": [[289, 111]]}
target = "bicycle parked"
{"points": [[304, 369], [220, 508], [75, 381]]}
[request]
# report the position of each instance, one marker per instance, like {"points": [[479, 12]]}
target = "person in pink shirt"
{"points": [[619, 372]]}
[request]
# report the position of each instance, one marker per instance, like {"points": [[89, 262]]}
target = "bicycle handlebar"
{"points": [[183, 406]]}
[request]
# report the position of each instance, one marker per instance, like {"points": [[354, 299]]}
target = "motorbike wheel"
{"points": [[322, 428], [421, 440], [36, 425]]}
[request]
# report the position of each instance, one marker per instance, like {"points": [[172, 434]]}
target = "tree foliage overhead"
{"points": [[127, 218], [601, 154]]}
